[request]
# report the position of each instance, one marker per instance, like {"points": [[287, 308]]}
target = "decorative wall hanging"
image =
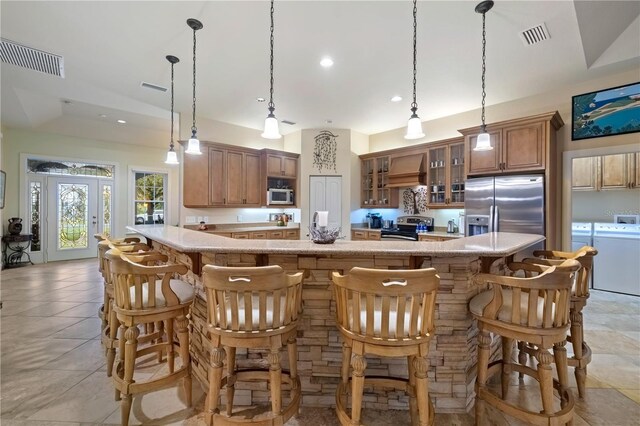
{"points": [[324, 151], [415, 201], [606, 112]]}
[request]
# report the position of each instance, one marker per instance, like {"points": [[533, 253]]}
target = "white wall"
{"points": [[601, 206], [124, 156]]}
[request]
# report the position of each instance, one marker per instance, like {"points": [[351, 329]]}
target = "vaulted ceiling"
{"points": [[110, 47]]}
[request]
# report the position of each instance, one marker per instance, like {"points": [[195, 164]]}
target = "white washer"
{"points": [[617, 265], [582, 235]]}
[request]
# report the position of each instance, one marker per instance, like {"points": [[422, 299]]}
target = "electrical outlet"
{"points": [[239, 218], [190, 219]]}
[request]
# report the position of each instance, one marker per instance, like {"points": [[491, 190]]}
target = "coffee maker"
{"points": [[375, 220]]}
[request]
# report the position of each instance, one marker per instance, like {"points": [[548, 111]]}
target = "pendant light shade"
{"points": [[414, 126], [483, 142], [172, 156], [193, 146], [271, 127]]}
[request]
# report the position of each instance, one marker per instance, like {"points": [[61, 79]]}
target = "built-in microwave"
{"points": [[279, 196]]}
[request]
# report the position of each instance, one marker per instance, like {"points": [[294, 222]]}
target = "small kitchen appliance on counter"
{"points": [[375, 220], [387, 224], [407, 228]]}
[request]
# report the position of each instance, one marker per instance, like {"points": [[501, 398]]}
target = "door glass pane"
{"points": [[35, 194], [106, 205], [73, 210]]}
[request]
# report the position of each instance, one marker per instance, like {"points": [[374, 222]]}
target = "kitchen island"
{"points": [[452, 356]]}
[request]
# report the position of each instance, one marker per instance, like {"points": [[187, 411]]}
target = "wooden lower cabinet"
{"points": [[365, 235], [434, 238], [285, 234]]}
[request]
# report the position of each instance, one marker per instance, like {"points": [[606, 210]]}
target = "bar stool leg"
{"points": [[160, 339], [170, 351], [183, 337], [359, 364], [560, 356], [292, 349], [484, 344], [420, 365], [546, 380], [413, 407], [344, 373], [507, 349], [522, 357], [275, 379], [215, 379], [113, 336], [121, 343], [130, 349], [577, 339], [231, 378]]}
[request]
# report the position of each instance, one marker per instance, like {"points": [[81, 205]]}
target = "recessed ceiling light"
{"points": [[260, 99], [396, 99], [103, 116], [326, 62], [122, 122]]}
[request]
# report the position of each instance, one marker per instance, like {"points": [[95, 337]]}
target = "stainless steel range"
{"points": [[406, 228]]}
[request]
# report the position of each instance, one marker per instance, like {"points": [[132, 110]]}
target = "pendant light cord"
{"points": [[414, 105], [171, 144], [193, 125], [271, 104], [484, 67]]}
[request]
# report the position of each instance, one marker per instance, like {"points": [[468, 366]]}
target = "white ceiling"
{"points": [[109, 47]]}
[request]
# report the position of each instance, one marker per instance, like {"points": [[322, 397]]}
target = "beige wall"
{"points": [[124, 156], [601, 206], [559, 100]]}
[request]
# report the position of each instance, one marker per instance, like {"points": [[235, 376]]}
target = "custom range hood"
{"points": [[406, 171]]}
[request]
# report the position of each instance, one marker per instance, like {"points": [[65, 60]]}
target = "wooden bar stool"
{"points": [[252, 307], [534, 310], [579, 296], [110, 326], [148, 294], [388, 313]]}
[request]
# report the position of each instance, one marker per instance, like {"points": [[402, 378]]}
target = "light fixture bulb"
{"points": [[483, 143], [271, 130], [326, 62], [172, 157], [414, 128], [193, 146]]}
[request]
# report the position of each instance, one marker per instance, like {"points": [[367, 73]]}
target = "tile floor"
{"points": [[53, 369]]}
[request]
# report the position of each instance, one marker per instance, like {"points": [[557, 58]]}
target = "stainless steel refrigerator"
{"points": [[505, 204]]}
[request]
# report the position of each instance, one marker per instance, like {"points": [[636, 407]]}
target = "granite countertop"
{"points": [[493, 244]]}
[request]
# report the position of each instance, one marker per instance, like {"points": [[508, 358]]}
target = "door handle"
{"points": [[496, 226], [491, 219]]}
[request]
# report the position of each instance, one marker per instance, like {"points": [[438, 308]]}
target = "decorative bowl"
{"points": [[324, 235]]}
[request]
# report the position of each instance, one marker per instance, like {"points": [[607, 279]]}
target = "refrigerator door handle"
{"points": [[496, 218], [491, 219]]}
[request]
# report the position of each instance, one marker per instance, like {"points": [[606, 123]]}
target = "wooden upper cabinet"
{"points": [[584, 174], [196, 180], [480, 162], [614, 171], [636, 170], [282, 165], [217, 190], [523, 147], [252, 187], [235, 178]]}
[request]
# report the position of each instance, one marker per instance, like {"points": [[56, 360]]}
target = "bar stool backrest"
{"points": [[389, 305], [584, 255], [249, 299], [540, 300], [126, 274]]}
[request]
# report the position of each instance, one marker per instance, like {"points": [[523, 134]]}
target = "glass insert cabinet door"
{"points": [[72, 218]]}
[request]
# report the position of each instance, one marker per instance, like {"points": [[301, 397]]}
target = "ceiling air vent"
{"points": [[153, 86], [33, 59], [290, 123], [535, 35]]}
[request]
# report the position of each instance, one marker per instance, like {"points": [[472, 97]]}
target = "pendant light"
{"points": [[414, 126], [193, 146], [172, 156], [483, 142], [271, 130]]}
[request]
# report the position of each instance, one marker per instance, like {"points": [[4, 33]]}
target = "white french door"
{"points": [[72, 218]]}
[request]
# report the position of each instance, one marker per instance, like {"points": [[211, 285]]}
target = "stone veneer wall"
{"points": [[452, 354]]}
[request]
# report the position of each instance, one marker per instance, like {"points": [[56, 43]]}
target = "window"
{"points": [[149, 203]]}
